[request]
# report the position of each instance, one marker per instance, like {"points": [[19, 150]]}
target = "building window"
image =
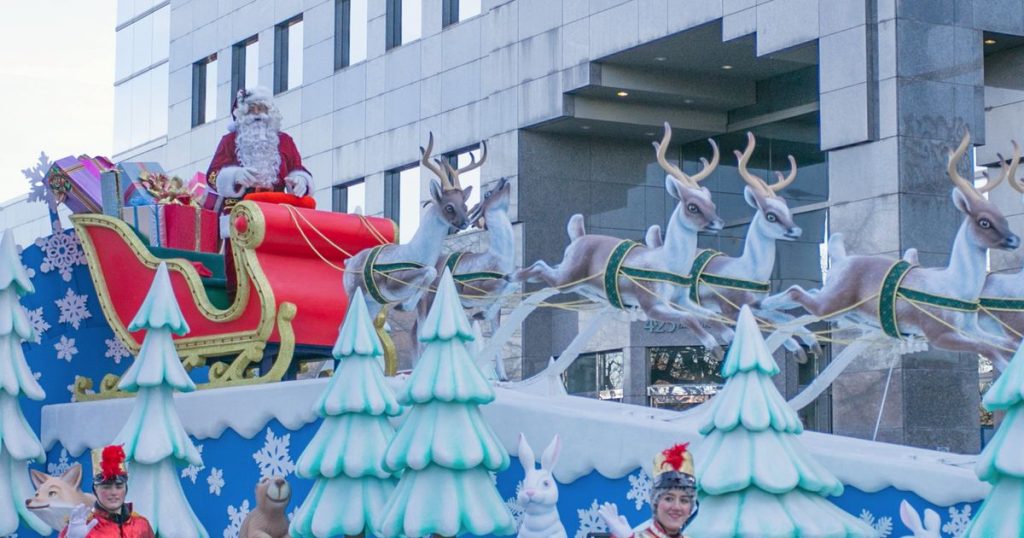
{"points": [[403, 21], [462, 159], [140, 108], [453, 11], [204, 90], [682, 376], [140, 73], [245, 62], [350, 23], [402, 200], [350, 197], [595, 375], [288, 55]]}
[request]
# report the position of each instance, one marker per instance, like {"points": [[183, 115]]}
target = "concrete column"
{"points": [[890, 192]]}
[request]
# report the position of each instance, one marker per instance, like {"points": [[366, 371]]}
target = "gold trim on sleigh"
{"points": [[246, 346]]}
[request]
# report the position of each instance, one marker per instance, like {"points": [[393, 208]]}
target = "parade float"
{"points": [[129, 328]]}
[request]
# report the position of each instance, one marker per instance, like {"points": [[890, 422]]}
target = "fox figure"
{"points": [[57, 496]]}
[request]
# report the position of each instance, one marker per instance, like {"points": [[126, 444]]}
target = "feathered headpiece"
{"points": [[108, 465], [673, 469]]}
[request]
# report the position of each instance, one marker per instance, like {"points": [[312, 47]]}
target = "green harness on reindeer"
{"points": [[698, 276], [893, 290], [615, 268], [460, 278], [371, 267]]}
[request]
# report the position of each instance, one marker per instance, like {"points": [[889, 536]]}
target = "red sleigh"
{"points": [[289, 271]]}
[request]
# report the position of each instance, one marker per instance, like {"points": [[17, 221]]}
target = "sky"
{"points": [[56, 83]]}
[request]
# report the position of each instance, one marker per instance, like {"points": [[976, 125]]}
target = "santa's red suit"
{"points": [[256, 157], [226, 157]]}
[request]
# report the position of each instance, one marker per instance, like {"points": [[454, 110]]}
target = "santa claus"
{"points": [[256, 156]]}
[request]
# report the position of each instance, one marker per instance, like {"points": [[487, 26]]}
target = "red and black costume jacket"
{"points": [[124, 524]]}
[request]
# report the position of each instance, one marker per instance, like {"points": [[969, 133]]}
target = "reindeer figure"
{"points": [[1002, 298], [393, 273], [480, 276], [939, 304], [625, 274], [723, 283]]}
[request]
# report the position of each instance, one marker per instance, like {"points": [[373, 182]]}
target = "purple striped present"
{"points": [[75, 182]]}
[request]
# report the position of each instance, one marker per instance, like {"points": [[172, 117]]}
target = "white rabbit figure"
{"points": [[910, 518], [539, 493]]}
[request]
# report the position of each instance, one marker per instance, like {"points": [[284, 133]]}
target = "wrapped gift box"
{"points": [[177, 226], [203, 194], [75, 182], [132, 191]]}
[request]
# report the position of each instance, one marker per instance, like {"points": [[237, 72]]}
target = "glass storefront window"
{"points": [[596, 375], [682, 376]]}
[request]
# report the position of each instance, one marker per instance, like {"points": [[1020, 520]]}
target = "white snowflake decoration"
{"points": [[116, 351], [883, 525], [639, 489], [62, 465], [36, 175], [235, 518], [39, 324], [61, 253], [73, 309], [958, 521], [273, 458], [192, 471], [65, 348], [215, 480], [514, 507], [590, 521]]}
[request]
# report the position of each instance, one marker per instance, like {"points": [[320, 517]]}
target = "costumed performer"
{"points": [[673, 498], [256, 161], [255, 156], [110, 517]]}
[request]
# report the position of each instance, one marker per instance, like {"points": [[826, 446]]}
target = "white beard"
{"points": [[256, 147]]}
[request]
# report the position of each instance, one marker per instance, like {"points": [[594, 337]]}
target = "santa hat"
{"points": [[243, 98], [673, 469], [108, 466]]}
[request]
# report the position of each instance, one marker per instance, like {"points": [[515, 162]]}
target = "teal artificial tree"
{"points": [[444, 448], [18, 443], [1002, 462], [754, 478], [154, 440], [346, 454]]}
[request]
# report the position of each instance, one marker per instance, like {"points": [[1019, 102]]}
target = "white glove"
{"points": [[233, 180], [299, 183], [617, 525], [77, 525]]}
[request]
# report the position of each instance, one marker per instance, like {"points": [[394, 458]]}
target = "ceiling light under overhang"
{"points": [[622, 93]]}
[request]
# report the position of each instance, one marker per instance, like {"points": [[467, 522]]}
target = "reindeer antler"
{"points": [[674, 171], [454, 173], [967, 187], [446, 183], [755, 181], [1009, 172]]}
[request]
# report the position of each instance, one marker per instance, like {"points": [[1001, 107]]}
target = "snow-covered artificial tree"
{"points": [[754, 478], [18, 443], [345, 456], [1002, 462], [154, 440], [444, 446]]}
